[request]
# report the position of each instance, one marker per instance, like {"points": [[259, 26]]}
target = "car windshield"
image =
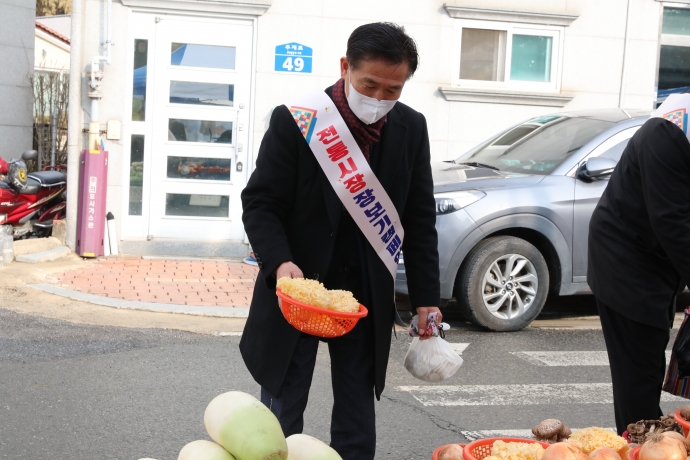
{"points": [[537, 146]]}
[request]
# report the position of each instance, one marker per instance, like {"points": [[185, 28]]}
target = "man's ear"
{"points": [[344, 67]]}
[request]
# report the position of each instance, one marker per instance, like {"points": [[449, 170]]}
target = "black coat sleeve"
{"points": [[268, 198], [665, 177], [420, 247]]}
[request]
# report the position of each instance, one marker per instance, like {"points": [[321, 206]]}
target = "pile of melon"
{"points": [[244, 429]]}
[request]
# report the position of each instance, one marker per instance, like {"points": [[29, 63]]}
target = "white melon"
{"points": [[245, 427], [304, 447], [204, 450]]}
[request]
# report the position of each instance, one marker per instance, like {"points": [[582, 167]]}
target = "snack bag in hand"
{"points": [[431, 360]]}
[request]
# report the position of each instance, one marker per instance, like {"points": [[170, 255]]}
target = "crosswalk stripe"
{"points": [[568, 358], [458, 347], [516, 395]]}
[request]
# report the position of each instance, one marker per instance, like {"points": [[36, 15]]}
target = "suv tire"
{"points": [[487, 294]]}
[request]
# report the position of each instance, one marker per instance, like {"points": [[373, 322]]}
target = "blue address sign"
{"points": [[294, 58]]}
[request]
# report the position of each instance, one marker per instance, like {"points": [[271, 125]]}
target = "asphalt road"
{"points": [[85, 392]]}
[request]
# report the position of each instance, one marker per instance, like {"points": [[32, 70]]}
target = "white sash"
{"points": [[350, 175]]}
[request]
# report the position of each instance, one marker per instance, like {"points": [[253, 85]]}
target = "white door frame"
{"points": [[136, 227]]}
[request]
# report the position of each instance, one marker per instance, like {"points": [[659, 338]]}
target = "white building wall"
{"points": [[17, 23], [592, 63], [50, 53], [591, 70]]}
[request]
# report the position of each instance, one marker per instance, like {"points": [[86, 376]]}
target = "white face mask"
{"points": [[367, 109]]}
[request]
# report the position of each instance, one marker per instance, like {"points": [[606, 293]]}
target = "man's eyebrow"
{"points": [[374, 82]]}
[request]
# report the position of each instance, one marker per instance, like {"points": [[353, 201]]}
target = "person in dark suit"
{"points": [[298, 227], [639, 259]]}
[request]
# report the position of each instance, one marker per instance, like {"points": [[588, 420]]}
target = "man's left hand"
{"points": [[423, 313]]}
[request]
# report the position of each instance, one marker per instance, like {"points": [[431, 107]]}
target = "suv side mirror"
{"points": [[595, 168], [29, 155]]}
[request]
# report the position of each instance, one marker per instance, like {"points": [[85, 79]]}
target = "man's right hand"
{"points": [[289, 270]]}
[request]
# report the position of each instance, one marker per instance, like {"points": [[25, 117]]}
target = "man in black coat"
{"points": [[298, 227], [639, 259]]}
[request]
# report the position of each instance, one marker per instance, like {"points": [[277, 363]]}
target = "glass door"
{"points": [[201, 95]]}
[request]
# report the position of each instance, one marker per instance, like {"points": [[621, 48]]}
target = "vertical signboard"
{"points": [[93, 184], [293, 58]]}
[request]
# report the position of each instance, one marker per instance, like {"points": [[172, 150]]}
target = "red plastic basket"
{"points": [[681, 421], [434, 456], [318, 321], [480, 449], [634, 454]]}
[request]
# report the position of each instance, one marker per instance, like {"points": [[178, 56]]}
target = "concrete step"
{"points": [[45, 256]]}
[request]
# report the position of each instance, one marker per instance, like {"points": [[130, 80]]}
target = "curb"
{"points": [[221, 312], [44, 256]]}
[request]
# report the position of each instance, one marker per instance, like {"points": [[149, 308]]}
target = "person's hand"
{"points": [[423, 313], [289, 270]]}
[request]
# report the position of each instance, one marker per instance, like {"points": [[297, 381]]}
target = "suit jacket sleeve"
{"points": [[420, 246], [665, 175], [268, 198]]}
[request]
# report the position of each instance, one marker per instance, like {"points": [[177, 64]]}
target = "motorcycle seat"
{"points": [[48, 178], [32, 187]]}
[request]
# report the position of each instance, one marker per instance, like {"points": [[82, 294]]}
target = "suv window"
{"points": [[616, 151], [537, 146]]}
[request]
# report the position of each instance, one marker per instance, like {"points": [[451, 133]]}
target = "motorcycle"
{"points": [[30, 203]]}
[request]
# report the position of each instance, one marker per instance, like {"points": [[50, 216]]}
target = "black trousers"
{"points": [[353, 421], [638, 365]]}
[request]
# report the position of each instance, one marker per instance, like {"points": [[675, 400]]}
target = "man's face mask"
{"points": [[367, 109]]}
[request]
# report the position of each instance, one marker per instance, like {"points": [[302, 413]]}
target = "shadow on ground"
{"points": [[558, 308]]}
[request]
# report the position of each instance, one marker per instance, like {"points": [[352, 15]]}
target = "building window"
{"points": [[186, 205], [674, 55], [200, 93], [199, 131], [199, 168], [482, 54], [141, 52], [136, 175], [209, 56], [505, 55]]}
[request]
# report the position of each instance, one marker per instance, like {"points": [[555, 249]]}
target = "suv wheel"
{"points": [[503, 284]]}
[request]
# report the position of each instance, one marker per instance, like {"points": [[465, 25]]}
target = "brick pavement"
{"points": [[186, 282]]}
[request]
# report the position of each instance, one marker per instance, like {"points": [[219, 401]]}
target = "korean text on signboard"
{"points": [[93, 183], [294, 58]]}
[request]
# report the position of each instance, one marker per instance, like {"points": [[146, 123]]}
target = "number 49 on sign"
{"points": [[293, 66], [293, 57]]}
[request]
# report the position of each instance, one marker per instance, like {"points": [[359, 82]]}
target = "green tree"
{"points": [[53, 7]]}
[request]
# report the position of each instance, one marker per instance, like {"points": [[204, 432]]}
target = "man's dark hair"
{"points": [[385, 41]]}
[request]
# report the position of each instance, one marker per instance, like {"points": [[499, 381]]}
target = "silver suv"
{"points": [[513, 213]]}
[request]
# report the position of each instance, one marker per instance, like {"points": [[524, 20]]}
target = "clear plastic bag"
{"points": [[432, 360]]}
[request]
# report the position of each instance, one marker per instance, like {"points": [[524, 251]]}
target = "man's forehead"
{"points": [[383, 72]]}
